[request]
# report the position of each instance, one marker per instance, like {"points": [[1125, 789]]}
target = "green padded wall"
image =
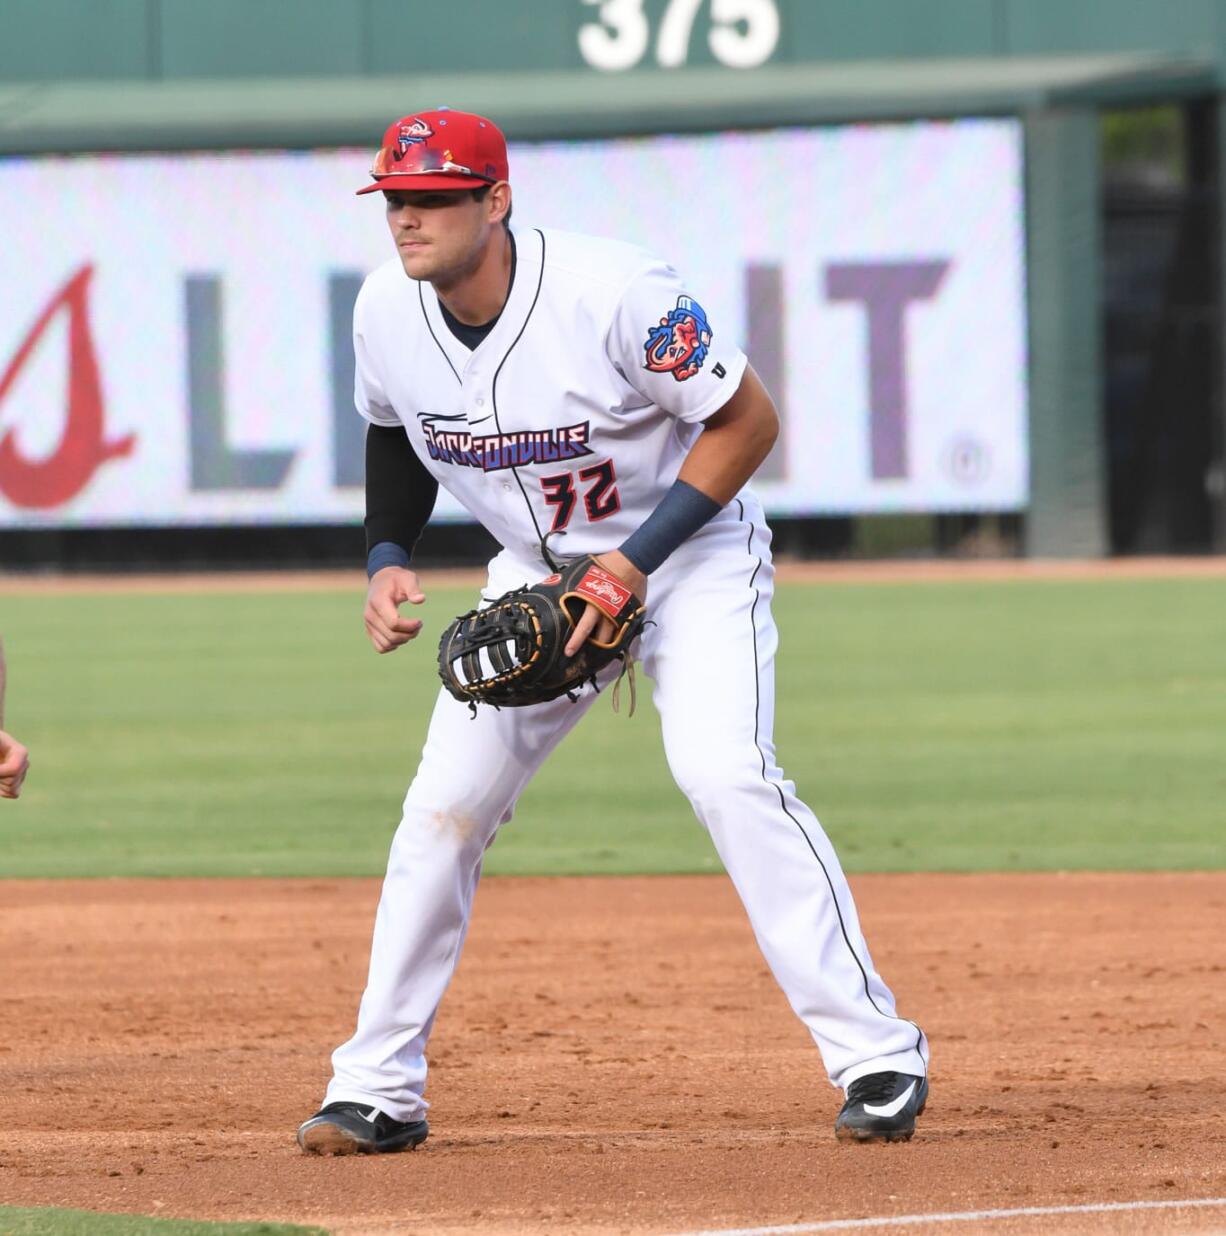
{"points": [[878, 29], [72, 39], [1030, 26], [49, 40], [1067, 515], [248, 38]]}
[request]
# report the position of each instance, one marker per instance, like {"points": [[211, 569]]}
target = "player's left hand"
{"points": [[14, 764], [593, 622]]}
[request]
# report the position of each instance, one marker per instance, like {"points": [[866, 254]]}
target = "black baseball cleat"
{"points": [[353, 1128], [882, 1107]]}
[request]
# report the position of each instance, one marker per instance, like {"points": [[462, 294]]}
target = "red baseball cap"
{"points": [[440, 149]]}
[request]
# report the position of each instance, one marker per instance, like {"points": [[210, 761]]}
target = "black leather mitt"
{"points": [[511, 653]]}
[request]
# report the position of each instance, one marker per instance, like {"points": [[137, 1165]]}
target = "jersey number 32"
{"points": [[600, 497]]}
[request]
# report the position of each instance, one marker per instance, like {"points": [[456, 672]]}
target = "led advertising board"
{"points": [[175, 329]]}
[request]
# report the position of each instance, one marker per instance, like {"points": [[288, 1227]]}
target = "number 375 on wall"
{"points": [[742, 33]]}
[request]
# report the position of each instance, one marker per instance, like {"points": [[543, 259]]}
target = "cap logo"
{"points": [[413, 134]]}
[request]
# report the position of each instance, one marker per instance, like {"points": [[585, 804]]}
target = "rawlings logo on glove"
{"points": [[512, 653], [605, 591]]}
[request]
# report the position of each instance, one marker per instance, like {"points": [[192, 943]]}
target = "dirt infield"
{"points": [[614, 1057], [943, 570]]}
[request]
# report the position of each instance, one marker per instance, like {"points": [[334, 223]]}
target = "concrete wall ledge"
{"points": [[301, 113]]}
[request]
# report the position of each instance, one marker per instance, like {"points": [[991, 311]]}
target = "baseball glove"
{"points": [[511, 653]]}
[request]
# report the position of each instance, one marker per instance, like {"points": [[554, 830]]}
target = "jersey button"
{"points": [[480, 402]]}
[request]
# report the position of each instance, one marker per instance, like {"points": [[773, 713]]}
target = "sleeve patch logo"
{"points": [[679, 345]]}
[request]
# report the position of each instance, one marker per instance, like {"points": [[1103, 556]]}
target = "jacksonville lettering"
{"points": [[494, 451]]}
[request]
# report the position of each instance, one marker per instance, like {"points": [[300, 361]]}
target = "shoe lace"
{"points": [[875, 1088]]}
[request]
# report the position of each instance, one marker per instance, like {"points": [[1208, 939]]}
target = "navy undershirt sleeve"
{"points": [[400, 496]]}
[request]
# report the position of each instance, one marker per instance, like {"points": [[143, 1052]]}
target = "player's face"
{"points": [[440, 236]]}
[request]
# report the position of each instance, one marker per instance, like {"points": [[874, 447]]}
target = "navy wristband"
{"points": [[385, 554], [682, 511]]}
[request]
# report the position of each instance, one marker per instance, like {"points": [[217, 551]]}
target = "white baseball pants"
{"points": [[711, 654]]}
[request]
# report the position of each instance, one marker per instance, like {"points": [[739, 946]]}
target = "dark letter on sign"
{"points": [[213, 464], [764, 299], [886, 288], [348, 428]]}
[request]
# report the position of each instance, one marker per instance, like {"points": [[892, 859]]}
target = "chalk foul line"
{"points": [[958, 1216]]}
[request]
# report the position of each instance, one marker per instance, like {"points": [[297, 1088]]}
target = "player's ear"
{"points": [[499, 203]]}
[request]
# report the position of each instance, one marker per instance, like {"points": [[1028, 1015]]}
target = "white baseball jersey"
{"points": [[575, 413]]}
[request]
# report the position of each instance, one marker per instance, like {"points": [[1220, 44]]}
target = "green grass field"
{"points": [[19, 1221], [943, 726]]}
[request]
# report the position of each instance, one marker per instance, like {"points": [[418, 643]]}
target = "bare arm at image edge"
{"points": [[14, 759]]}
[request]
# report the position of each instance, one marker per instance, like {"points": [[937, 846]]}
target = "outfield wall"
{"points": [[928, 312], [153, 40]]}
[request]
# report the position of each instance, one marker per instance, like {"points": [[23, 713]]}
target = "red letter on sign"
{"points": [[82, 450]]}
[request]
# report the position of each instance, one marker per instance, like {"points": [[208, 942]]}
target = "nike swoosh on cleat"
{"points": [[372, 1115], [891, 1109]]}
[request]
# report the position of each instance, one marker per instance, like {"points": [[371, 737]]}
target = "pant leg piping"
{"points": [[782, 800]]}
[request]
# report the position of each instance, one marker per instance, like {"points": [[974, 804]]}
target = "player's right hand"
{"points": [[389, 589], [14, 764]]}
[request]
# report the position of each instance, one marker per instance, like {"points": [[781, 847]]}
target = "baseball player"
{"points": [[575, 396], [14, 758]]}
